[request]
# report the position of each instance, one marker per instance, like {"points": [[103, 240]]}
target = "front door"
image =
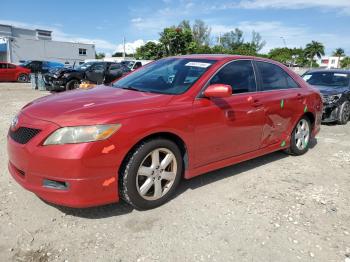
{"points": [[95, 73], [4, 76], [226, 127]]}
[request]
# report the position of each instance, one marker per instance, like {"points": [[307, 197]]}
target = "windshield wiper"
{"points": [[131, 88]]}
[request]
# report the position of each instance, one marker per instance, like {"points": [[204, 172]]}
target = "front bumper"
{"points": [[330, 113], [89, 172]]}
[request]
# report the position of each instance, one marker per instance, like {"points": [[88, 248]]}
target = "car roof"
{"points": [[340, 71], [220, 57]]}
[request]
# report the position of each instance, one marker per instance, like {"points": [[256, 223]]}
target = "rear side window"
{"points": [[3, 66], [115, 67], [274, 78], [11, 66], [239, 75]]}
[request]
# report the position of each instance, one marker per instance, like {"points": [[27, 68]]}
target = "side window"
{"points": [[115, 67], [274, 78], [11, 66], [239, 75], [3, 66], [97, 68], [137, 65]]}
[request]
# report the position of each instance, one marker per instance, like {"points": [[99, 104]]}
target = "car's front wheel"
{"points": [[300, 138], [344, 113], [151, 174], [72, 84]]}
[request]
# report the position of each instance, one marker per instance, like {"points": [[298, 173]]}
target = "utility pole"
{"points": [[123, 48], [284, 41]]}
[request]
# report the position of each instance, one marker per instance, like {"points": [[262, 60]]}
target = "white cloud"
{"points": [[342, 5], [295, 36], [59, 35], [130, 47]]}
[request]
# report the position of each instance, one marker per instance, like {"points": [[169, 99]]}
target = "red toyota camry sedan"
{"points": [[176, 117]]}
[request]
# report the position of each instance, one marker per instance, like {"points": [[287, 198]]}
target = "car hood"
{"points": [[98, 105], [331, 90]]}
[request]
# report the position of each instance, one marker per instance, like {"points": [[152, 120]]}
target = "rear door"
{"points": [[283, 99]]}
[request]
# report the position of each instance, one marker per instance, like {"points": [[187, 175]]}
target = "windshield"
{"points": [[25, 63], [335, 79], [166, 76], [84, 66]]}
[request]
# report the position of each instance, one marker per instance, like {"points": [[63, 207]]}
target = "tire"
{"points": [[344, 113], [72, 84], [300, 138], [23, 78], [142, 182]]}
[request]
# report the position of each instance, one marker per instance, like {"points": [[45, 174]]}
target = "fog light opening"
{"points": [[58, 185]]}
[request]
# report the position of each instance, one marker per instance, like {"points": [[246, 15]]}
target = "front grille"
{"points": [[23, 134]]}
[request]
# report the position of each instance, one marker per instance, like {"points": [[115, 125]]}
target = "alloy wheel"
{"points": [[346, 112], [302, 134], [156, 174]]}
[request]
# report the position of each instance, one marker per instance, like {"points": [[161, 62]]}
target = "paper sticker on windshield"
{"points": [[198, 64], [339, 74]]}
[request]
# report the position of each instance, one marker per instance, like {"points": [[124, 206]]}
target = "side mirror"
{"points": [[218, 90]]}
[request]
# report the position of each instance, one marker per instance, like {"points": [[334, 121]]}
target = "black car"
{"points": [[95, 72], [334, 86]]}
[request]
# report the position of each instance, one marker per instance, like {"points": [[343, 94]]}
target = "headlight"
{"points": [[332, 98], [81, 134]]}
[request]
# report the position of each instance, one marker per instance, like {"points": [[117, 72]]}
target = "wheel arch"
{"points": [[311, 117], [165, 135]]}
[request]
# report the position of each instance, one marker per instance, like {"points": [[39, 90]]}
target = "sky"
{"points": [[291, 23]]}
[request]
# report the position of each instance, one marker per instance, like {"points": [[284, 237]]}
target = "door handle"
{"points": [[256, 103]]}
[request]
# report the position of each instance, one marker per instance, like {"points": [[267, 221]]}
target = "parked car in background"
{"points": [[177, 117], [135, 64], [37, 66], [94, 72], [334, 86], [12, 73]]}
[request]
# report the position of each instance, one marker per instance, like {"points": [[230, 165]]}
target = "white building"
{"points": [[330, 62], [20, 44]]}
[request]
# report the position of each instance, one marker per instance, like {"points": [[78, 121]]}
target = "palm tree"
{"points": [[339, 52], [314, 49]]}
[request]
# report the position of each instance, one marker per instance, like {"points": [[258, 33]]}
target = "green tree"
{"points": [[345, 63], [232, 40], [176, 40], [99, 55], [150, 50], [339, 52], [201, 32], [314, 49], [288, 55], [257, 43]]}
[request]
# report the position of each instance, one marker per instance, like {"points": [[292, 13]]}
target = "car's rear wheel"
{"points": [[300, 138], [23, 78], [72, 84], [344, 113], [151, 174]]}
